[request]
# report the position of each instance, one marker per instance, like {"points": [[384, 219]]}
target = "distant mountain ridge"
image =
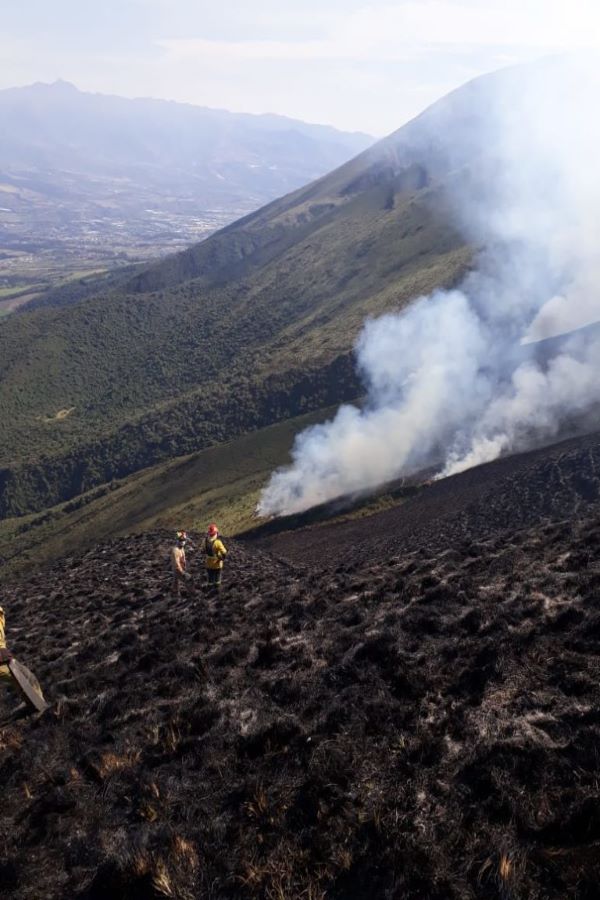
{"points": [[92, 183], [198, 155]]}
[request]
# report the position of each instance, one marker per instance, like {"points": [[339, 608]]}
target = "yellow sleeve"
{"points": [[221, 548]]}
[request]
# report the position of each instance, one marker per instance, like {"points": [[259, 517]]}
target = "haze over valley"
{"points": [[90, 182]]}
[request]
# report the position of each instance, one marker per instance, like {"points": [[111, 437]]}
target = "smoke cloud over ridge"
{"points": [[460, 377]]}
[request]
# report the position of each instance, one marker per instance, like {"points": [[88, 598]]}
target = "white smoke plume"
{"points": [[459, 377]]}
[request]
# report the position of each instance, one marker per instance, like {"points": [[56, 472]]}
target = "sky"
{"points": [[360, 66]]}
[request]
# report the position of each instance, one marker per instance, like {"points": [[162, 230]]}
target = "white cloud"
{"points": [[351, 63], [395, 32]]}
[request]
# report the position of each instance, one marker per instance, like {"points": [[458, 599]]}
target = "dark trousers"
{"points": [[214, 580]]}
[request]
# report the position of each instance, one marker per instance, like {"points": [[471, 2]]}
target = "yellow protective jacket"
{"points": [[4, 673], [215, 550]]}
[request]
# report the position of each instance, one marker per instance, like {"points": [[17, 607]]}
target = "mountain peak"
{"points": [[57, 87]]}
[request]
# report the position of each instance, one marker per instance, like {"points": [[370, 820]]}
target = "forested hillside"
{"points": [[252, 326]]}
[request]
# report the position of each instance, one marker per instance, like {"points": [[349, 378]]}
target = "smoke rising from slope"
{"points": [[460, 377]]}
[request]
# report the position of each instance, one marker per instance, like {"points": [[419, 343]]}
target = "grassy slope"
{"points": [[222, 484], [116, 358], [192, 365]]}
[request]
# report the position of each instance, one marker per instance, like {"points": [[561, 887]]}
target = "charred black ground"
{"points": [[407, 710], [556, 482]]}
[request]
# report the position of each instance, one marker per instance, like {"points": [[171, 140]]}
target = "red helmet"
{"points": [[212, 529]]}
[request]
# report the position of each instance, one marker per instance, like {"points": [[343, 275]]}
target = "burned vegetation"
{"points": [[398, 721]]}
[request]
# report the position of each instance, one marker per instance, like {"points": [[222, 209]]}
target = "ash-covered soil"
{"points": [[403, 722], [560, 481]]}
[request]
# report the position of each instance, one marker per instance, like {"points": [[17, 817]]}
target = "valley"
{"points": [[39, 254], [90, 182]]}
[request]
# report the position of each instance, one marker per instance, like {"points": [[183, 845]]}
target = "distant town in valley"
{"points": [[43, 246], [89, 182]]}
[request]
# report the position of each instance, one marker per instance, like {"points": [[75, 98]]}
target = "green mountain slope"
{"points": [[250, 327], [221, 483]]}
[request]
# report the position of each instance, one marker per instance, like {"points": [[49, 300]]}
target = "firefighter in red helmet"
{"points": [[214, 554]]}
